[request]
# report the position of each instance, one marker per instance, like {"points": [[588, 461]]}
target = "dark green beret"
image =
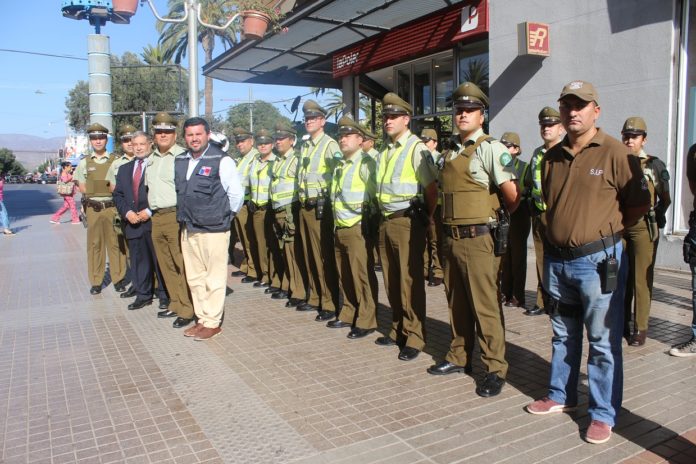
{"points": [[97, 129], [393, 104], [312, 108], [240, 133], [510, 138], [283, 130], [549, 115], [347, 125], [635, 125], [264, 136], [126, 130], [164, 121], [469, 95]]}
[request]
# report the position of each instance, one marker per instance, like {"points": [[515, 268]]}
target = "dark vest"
{"points": [[465, 201], [201, 202]]}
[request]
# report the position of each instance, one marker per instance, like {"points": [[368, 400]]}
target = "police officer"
{"points": [[433, 251], [475, 177], [161, 196], [368, 145], [514, 262], [355, 217], [244, 141], [100, 211], [551, 132], [286, 210], [406, 193], [316, 225], [642, 238]]}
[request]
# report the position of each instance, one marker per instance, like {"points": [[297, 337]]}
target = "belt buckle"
{"points": [[472, 231], [455, 232]]}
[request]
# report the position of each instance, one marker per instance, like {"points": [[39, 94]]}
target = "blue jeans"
{"points": [[577, 283], [693, 299], [4, 219]]}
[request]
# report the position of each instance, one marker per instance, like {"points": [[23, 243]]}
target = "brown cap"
{"points": [[263, 136], [347, 125], [635, 125], [312, 108], [549, 115], [164, 121], [428, 134], [469, 95], [126, 130], [369, 134], [510, 138], [97, 129], [393, 104], [283, 130], [241, 133], [581, 89]]}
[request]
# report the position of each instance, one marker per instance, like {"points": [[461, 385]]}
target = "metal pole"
{"points": [[193, 59], [251, 113], [99, 63]]}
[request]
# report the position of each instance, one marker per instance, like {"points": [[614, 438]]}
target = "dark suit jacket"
{"points": [[124, 200]]}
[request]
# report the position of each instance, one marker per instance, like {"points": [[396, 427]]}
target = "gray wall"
{"points": [[624, 47]]}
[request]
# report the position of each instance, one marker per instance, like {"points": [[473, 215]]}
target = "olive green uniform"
{"points": [[433, 256], [102, 239], [242, 223], [538, 219], [469, 178], [641, 249], [270, 265], [111, 177]]}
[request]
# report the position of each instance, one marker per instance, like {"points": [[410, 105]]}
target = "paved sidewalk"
{"points": [[82, 379]]}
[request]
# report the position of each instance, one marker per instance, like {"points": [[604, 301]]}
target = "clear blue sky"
{"points": [[33, 87]]}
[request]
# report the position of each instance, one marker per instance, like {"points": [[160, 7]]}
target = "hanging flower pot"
{"points": [[125, 7], [254, 24]]}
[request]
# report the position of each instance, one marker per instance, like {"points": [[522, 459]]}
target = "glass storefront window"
{"points": [[422, 95], [403, 84], [444, 80]]}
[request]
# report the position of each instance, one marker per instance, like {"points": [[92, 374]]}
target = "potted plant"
{"points": [[257, 15], [125, 7]]}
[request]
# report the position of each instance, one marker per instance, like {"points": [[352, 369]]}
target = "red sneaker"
{"points": [[548, 406], [598, 432]]}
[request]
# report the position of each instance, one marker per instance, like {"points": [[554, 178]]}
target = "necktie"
{"points": [[137, 175]]}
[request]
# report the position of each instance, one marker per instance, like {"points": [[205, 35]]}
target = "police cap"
{"points": [[581, 89], [549, 116], [393, 104], [240, 133], [126, 130], [263, 136], [469, 95], [347, 125], [510, 138], [429, 134], [284, 130], [312, 109], [97, 129], [164, 121], [635, 125]]}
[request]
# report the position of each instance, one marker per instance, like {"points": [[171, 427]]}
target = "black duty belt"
{"points": [[466, 231], [309, 203], [396, 214], [99, 205], [171, 209], [569, 253]]}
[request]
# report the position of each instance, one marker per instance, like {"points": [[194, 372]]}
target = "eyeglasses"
{"points": [[97, 137], [164, 131]]}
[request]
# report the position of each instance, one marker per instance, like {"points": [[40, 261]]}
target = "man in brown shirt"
{"points": [[592, 188]]}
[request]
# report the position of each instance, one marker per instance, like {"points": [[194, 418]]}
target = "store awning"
{"points": [[303, 55]]}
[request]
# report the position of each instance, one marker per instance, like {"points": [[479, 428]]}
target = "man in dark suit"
{"points": [[130, 197]]}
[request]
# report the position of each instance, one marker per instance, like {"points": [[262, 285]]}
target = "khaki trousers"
{"points": [[641, 254], [401, 244], [514, 263], [264, 236], [206, 273], [245, 232], [538, 226], [102, 240], [293, 282], [471, 277], [165, 238], [433, 250], [317, 243], [356, 272]]}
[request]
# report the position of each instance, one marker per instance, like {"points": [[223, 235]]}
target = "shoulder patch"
{"points": [[505, 158]]}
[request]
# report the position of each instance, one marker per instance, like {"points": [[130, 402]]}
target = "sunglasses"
{"points": [[97, 137]]}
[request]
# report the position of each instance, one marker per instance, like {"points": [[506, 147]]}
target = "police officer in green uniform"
{"points": [[368, 145], [270, 267], [355, 217], [433, 250], [244, 141], [474, 178], [552, 132], [514, 262], [286, 210], [100, 211], [642, 238], [318, 154], [407, 194]]}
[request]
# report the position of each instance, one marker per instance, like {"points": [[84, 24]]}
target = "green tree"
{"points": [[263, 115], [174, 36], [9, 164], [153, 55], [135, 88]]}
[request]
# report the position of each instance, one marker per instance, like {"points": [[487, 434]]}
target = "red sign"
{"points": [[422, 37], [537, 39]]}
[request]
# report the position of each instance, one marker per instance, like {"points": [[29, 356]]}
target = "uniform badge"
{"points": [[205, 171], [575, 85], [91, 169], [505, 159]]}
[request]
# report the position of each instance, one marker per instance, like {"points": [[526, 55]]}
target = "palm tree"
{"points": [[153, 55], [174, 36]]}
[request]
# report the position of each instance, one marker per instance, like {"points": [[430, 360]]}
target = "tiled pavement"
{"points": [[84, 380]]}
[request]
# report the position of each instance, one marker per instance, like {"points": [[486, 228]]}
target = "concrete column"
{"points": [[99, 62]]}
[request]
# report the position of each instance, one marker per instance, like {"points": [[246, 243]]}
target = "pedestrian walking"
{"points": [[67, 194], [4, 218]]}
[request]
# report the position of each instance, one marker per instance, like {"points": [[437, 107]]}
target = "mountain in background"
{"points": [[31, 150]]}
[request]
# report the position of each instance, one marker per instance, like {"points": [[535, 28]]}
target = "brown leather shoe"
{"points": [[638, 338], [193, 331], [207, 333]]}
